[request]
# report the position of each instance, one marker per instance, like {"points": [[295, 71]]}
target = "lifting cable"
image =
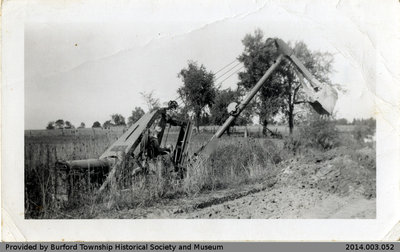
{"points": [[219, 77], [231, 75], [228, 71], [225, 67]]}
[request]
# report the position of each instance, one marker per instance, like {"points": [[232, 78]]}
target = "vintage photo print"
{"points": [[269, 120]]}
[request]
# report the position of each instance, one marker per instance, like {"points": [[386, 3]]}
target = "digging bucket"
{"points": [[325, 100]]}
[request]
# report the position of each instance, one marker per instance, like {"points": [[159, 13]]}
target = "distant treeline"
{"points": [[369, 122]]}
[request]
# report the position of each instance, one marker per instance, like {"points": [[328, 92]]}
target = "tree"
{"points": [[219, 112], [118, 119], [137, 113], [50, 125], [257, 57], [107, 124], [319, 64], [151, 101], [282, 92], [59, 124], [198, 90], [68, 125], [96, 124], [82, 125]]}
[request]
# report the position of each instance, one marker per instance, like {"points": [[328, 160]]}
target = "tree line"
{"points": [[116, 120], [204, 100], [281, 96]]}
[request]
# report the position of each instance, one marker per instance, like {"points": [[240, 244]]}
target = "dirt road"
{"points": [[289, 203], [271, 203], [335, 185]]}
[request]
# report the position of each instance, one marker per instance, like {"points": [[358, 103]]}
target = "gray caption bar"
{"points": [[200, 246]]}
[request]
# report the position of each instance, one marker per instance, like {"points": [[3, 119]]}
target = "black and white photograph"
{"points": [[217, 111]]}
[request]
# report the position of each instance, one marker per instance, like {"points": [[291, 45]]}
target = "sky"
{"points": [[85, 62]]}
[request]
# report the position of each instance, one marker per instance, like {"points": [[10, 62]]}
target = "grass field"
{"points": [[236, 161]]}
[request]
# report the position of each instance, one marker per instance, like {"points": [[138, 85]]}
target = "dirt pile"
{"points": [[342, 171]]}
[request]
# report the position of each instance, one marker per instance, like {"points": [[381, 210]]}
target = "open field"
{"points": [[116, 132], [243, 178]]}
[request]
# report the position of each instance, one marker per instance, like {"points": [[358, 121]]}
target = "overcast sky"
{"points": [[84, 63]]}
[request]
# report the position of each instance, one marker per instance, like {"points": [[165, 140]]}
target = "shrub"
{"points": [[360, 132], [319, 132]]}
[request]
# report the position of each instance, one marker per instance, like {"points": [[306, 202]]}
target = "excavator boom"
{"points": [[321, 97]]}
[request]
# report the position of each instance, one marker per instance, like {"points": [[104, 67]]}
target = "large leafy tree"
{"points": [[107, 124], [50, 125], [257, 57], [82, 125], [219, 111], [96, 124], [319, 64], [68, 125], [137, 113], [198, 91], [118, 119], [59, 124], [282, 91]]}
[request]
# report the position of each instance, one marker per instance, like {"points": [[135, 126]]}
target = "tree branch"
{"points": [[297, 88], [299, 102]]}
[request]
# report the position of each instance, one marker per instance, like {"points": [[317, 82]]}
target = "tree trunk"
{"points": [[291, 119], [198, 122], [290, 110], [265, 124]]}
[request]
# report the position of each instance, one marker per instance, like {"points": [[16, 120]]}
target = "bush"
{"points": [[319, 132], [360, 132]]}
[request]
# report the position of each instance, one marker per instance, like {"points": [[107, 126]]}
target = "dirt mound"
{"points": [[340, 171]]}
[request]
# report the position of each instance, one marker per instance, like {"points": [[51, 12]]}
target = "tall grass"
{"points": [[41, 154], [235, 161]]}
